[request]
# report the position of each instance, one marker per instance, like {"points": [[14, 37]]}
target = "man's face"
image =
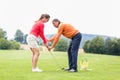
{"points": [[55, 24]]}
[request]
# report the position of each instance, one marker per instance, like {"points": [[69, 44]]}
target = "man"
{"points": [[70, 32]]}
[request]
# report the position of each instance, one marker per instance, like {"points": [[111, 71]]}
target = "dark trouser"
{"points": [[73, 51]]}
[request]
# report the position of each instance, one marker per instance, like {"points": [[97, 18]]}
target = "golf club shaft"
{"points": [[55, 60]]}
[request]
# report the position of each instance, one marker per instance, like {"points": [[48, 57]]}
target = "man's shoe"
{"points": [[67, 69], [72, 70]]}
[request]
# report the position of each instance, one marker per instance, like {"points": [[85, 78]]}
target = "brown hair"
{"points": [[47, 16], [56, 20]]}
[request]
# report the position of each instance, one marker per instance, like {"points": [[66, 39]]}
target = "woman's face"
{"points": [[45, 20]]}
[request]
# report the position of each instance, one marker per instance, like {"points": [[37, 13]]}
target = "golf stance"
{"points": [[70, 32], [37, 31]]}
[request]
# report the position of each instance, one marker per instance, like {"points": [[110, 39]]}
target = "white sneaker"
{"points": [[36, 70]]}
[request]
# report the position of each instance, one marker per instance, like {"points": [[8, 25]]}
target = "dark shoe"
{"points": [[67, 69], [72, 70]]}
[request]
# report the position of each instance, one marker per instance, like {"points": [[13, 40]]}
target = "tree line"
{"points": [[20, 38], [99, 45], [7, 44]]}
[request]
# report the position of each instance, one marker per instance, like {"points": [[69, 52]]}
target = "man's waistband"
{"points": [[75, 35]]}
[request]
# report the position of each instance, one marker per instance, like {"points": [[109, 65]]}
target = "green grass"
{"points": [[16, 65]]}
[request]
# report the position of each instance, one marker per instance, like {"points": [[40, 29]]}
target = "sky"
{"points": [[88, 16]]}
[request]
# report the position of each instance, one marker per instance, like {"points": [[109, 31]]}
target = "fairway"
{"points": [[16, 65]]}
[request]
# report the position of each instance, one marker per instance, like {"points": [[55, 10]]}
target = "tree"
{"points": [[24, 39], [14, 45], [4, 44], [61, 45], [108, 46], [3, 33], [97, 45], [116, 47], [19, 36], [86, 46]]}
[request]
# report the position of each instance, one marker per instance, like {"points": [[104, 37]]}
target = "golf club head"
{"points": [[62, 68]]}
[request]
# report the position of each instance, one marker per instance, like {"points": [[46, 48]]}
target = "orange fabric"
{"points": [[66, 30]]}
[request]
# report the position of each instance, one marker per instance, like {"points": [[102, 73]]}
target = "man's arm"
{"points": [[52, 39], [57, 36]]}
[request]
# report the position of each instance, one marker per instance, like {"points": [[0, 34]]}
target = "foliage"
{"points": [[6, 44], [61, 45], [108, 47], [14, 45], [19, 36], [24, 39], [2, 33], [86, 46], [99, 45], [116, 46]]}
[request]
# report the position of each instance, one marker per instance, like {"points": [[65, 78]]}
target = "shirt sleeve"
{"points": [[52, 38], [42, 34], [57, 36]]}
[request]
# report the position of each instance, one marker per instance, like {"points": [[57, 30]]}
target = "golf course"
{"points": [[16, 65]]}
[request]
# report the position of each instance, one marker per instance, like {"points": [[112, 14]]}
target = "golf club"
{"points": [[62, 68]]}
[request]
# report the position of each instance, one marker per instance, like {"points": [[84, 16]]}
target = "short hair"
{"points": [[47, 16], [56, 20]]}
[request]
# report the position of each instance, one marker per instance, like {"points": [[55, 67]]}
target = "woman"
{"points": [[37, 31]]}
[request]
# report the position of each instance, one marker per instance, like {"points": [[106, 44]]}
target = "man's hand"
{"points": [[46, 45], [49, 49], [48, 40]]}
